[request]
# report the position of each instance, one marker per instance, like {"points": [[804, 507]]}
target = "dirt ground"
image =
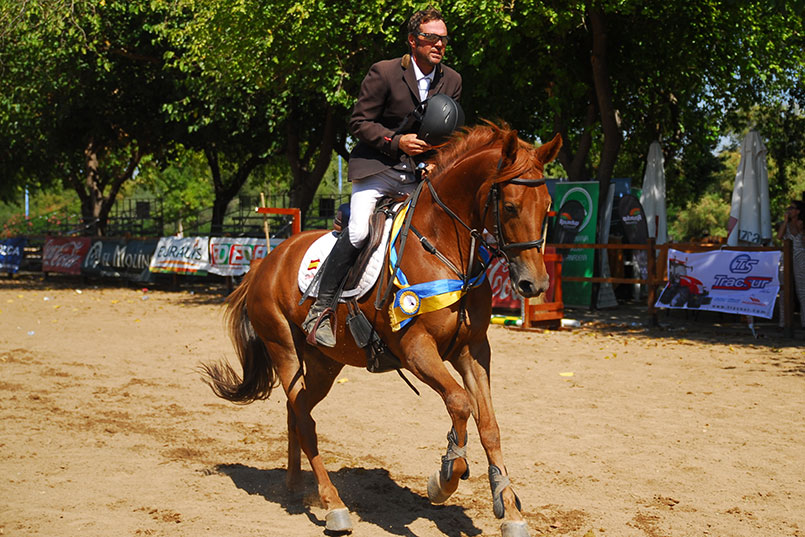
{"points": [[614, 429]]}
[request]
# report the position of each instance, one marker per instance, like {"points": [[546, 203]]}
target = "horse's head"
{"points": [[518, 205]]}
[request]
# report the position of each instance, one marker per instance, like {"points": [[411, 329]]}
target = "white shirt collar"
{"points": [[419, 76]]}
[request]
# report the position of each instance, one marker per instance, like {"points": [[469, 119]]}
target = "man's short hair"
{"points": [[421, 17]]}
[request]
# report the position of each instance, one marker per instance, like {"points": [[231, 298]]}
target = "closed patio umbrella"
{"points": [[750, 213], [652, 197]]}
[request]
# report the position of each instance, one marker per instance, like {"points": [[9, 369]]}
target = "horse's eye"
{"points": [[510, 208]]}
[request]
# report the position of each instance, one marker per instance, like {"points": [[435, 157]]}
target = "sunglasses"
{"points": [[432, 39]]}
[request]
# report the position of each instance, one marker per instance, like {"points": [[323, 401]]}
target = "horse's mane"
{"points": [[483, 136]]}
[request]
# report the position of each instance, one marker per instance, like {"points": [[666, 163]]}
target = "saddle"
{"points": [[378, 357]]}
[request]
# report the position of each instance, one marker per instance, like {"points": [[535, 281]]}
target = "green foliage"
{"points": [[51, 211], [264, 89], [703, 218], [183, 185]]}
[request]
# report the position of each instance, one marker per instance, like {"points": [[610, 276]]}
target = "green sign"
{"points": [[579, 261]]}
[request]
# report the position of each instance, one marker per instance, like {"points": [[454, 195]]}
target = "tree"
{"points": [[612, 76], [297, 64], [81, 94]]}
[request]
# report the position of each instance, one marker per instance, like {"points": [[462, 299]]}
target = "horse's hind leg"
{"points": [[473, 365], [301, 399], [320, 373]]}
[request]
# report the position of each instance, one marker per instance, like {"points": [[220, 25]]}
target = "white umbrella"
{"points": [[653, 196], [750, 214]]}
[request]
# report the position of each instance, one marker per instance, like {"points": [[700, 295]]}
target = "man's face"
{"points": [[428, 53]]}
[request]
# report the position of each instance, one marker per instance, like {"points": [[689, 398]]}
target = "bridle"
{"points": [[495, 198]]}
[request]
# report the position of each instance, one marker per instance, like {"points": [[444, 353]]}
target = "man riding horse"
{"points": [[393, 139]]}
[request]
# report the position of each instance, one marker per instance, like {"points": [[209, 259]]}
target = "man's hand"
{"points": [[411, 145]]}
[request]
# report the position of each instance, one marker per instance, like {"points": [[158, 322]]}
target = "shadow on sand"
{"points": [[370, 494]]}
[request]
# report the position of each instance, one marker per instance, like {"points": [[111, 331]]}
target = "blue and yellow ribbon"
{"points": [[412, 300]]}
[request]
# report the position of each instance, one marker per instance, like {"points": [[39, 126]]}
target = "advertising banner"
{"points": [[578, 262], [190, 255], [11, 254], [729, 281], [232, 256], [119, 258], [635, 230], [64, 254], [503, 295]]}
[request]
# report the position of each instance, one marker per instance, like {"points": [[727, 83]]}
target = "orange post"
{"points": [[296, 213]]}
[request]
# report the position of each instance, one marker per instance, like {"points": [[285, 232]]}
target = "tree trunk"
{"points": [[226, 189], [610, 122], [309, 168], [95, 205]]}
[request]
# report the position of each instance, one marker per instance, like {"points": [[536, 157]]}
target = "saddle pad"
{"points": [[321, 248]]}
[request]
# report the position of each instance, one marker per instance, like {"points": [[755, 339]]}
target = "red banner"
{"points": [[503, 295], [64, 254]]}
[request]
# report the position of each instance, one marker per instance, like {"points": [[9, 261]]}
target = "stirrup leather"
{"points": [[326, 313]]}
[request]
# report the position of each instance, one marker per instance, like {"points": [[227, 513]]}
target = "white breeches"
{"points": [[366, 192]]}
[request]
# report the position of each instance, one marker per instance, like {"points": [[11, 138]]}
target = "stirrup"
{"points": [[327, 313]]}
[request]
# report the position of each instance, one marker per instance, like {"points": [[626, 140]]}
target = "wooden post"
{"points": [[651, 262], [265, 223], [788, 289]]}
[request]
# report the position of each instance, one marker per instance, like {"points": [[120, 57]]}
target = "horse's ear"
{"points": [[547, 152], [510, 145]]}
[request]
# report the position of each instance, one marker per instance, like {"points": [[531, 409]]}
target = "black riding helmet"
{"points": [[442, 116]]}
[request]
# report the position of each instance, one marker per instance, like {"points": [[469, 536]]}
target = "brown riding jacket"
{"points": [[388, 94]]}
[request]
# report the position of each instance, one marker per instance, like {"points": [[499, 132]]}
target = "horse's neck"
{"points": [[462, 189]]}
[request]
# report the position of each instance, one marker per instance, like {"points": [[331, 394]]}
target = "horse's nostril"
{"points": [[526, 288]]}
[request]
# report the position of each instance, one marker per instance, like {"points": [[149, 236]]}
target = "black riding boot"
{"points": [[335, 270]]}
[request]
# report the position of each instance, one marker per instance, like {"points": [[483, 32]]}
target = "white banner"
{"points": [[729, 281], [189, 255], [232, 256]]}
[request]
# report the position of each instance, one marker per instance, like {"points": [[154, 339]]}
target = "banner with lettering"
{"points": [[232, 256], [119, 258], [188, 255], [64, 254], [729, 281], [503, 294], [11, 253]]}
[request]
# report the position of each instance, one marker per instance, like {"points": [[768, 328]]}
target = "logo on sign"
{"points": [[742, 264]]}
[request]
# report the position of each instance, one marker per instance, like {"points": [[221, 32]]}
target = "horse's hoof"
{"points": [[436, 493], [514, 529], [337, 520]]}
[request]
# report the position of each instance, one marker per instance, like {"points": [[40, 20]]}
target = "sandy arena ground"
{"points": [[612, 429]]}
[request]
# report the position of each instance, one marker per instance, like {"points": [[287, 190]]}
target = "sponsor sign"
{"points": [[64, 254], [188, 255], [737, 282], [578, 261], [11, 253], [232, 256], [119, 258], [503, 294], [635, 229]]}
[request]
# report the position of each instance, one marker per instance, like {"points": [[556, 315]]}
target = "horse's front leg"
{"points": [[473, 365], [423, 360]]}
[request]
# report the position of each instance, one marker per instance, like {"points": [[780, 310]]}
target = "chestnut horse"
{"points": [[486, 177]]}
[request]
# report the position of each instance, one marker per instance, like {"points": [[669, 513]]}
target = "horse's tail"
{"points": [[259, 377]]}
